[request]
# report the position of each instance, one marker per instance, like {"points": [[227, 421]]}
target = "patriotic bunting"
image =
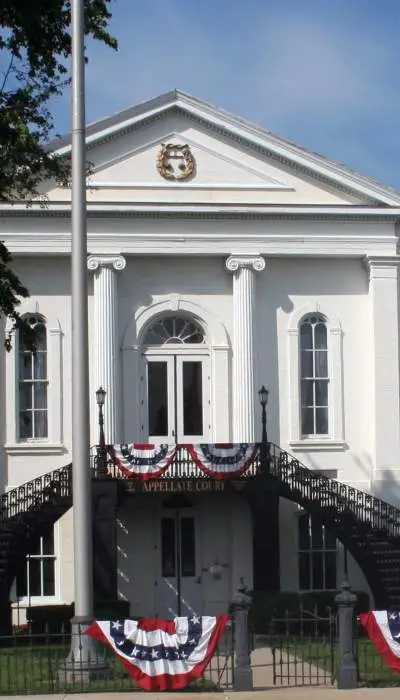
{"points": [[223, 461], [143, 461], [162, 654], [218, 461], [383, 629]]}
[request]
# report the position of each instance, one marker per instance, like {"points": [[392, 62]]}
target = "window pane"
{"points": [[35, 587], [304, 571], [316, 529], [321, 421], [40, 395], [317, 570], [25, 396], [168, 553], [40, 365], [25, 365], [48, 576], [307, 369], [320, 336], [40, 424], [22, 583], [180, 324], [330, 538], [307, 421], [188, 548], [330, 570], [40, 339], [306, 336], [307, 392], [25, 424], [157, 385], [304, 532], [321, 393], [48, 543], [321, 363], [169, 325], [192, 380]]}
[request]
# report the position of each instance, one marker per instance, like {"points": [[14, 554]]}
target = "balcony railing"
{"points": [[182, 467]]}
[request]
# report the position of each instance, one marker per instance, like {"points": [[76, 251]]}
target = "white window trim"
{"points": [[46, 599], [335, 440], [165, 351], [53, 444], [310, 551], [218, 348]]}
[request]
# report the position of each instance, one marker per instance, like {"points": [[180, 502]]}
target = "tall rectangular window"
{"points": [[314, 376], [317, 552], [38, 578], [33, 382]]}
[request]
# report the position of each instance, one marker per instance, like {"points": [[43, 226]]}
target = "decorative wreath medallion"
{"points": [[175, 161]]}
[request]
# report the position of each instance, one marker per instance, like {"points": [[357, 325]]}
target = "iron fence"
{"points": [[295, 651], [32, 664]]}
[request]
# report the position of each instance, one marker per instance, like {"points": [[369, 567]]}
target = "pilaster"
{"points": [[244, 268], [384, 300], [107, 351]]}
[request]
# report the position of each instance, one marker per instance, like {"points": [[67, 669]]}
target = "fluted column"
{"points": [[105, 324], [244, 270]]}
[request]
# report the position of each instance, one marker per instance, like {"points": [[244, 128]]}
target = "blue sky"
{"points": [[323, 73]]}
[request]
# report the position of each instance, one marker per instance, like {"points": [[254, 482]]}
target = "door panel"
{"points": [[192, 384], [179, 589], [160, 400]]}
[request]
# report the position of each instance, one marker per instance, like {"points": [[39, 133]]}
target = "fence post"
{"points": [[347, 666], [243, 676]]}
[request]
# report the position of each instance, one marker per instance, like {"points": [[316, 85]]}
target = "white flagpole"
{"points": [[84, 658]]}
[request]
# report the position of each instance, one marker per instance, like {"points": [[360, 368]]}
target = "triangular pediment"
{"points": [[227, 161]]}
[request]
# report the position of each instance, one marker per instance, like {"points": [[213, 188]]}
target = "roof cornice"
{"points": [[115, 210], [240, 130]]}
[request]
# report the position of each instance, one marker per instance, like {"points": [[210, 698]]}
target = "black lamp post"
{"points": [[101, 450], [263, 396]]}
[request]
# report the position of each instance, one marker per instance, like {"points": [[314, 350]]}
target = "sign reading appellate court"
{"points": [[176, 486]]}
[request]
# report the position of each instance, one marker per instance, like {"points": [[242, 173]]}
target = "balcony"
{"points": [[180, 468]]}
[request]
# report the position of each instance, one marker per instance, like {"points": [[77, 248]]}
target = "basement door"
{"points": [[178, 564]]}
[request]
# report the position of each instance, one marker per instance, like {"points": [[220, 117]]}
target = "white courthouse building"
{"points": [[221, 258]]}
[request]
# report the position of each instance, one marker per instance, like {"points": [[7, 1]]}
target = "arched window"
{"points": [[33, 423], [314, 375], [175, 330], [176, 382]]}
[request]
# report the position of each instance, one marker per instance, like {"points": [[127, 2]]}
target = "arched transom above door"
{"points": [[174, 330]]}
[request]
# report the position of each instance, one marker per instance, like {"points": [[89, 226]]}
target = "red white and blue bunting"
{"points": [[162, 654], [142, 460], [223, 461], [218, 461], [383, 629]]}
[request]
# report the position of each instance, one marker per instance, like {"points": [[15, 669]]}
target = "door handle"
{"points": [[198, 579]]}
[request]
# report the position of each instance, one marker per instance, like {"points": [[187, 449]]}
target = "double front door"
{"points": [[177, 398], [178, 562]]}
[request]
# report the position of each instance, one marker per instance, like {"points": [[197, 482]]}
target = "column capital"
{"points": [[382, 266], [238, 262], [118, 262]]}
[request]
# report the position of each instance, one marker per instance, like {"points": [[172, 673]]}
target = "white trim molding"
{"points": [[53, 444], [335, 440], [219, 348]]}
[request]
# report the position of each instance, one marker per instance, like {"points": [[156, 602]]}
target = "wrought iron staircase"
{"points": [[368, 527], [26, 513]]}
